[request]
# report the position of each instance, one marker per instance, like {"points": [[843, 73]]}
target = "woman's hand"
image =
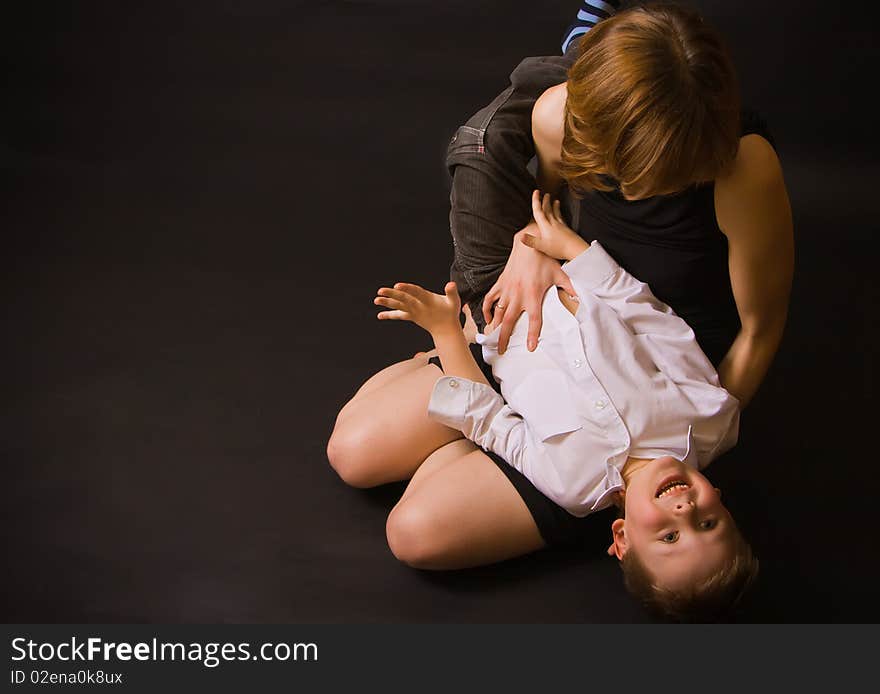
{"points": [[555, 238], [522, 285], [436, 313]]}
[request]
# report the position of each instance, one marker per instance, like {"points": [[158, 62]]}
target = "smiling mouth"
{"points": [[672, 487]]}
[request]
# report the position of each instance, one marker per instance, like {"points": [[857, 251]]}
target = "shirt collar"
{"points": [[613, 481], [690, 455]]}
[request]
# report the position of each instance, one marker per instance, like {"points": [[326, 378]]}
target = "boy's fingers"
{"points": [[546, 206], [413, 290], [408, 287], [451, 292], [470, 327], [531, 241], [557, 210], [393, 315], [387, 291], [537, 210], [388, 302], [399, 294]]}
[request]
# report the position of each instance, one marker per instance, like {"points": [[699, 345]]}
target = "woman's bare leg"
{"points": [[459, 509], [389, 373], [383, 433], [465, 513], [438, 460]]}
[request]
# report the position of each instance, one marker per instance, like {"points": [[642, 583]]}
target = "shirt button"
{"points": [[453, 383], [600, 404], [577, 363]]}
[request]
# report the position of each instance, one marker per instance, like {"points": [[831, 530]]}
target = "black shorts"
{"points": [[557, 526]]}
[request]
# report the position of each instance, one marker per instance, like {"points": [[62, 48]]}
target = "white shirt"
{"points": [[622, 377]]}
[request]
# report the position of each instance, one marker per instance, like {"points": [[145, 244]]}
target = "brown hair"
{"points": [[653, 103], [710, 599]]}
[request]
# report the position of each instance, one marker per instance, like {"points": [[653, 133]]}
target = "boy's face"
{"points": [[676, 523]]}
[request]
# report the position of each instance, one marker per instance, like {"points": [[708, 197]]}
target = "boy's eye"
{"points": [[708, 524], [670, 537]]}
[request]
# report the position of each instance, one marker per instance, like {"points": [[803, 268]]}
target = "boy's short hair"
{"points": [[653, 103], [708, 600]]}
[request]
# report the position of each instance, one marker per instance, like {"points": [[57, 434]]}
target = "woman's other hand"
{"points": [[555, 238], [521, 287]]}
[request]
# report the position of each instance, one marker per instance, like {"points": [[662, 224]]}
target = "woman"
{"points": [[682, 191]]}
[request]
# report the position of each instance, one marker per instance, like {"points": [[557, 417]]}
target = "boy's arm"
{"points": [[481, 414], [670, 341], [666, 336], [462, 398], [439, 315], [456, 357], [593, 271]]}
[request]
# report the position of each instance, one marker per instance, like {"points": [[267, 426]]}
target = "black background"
{"points": [[199, 201]]}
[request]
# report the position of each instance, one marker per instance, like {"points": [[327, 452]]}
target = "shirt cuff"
{"points": [[592, 267], [454, 398]]}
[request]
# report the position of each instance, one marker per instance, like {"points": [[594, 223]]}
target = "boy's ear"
{"points": [[618, 539]]}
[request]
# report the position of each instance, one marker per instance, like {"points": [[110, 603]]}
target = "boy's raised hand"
{"points": [[436, 313], [556, 239]]}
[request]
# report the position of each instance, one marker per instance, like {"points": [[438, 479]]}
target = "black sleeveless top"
{"points": [[673, 243]]}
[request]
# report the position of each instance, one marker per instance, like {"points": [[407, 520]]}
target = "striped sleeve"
{"points": [[591, 13]]}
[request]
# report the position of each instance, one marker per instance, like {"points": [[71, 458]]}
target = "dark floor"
{"points": [[200, 200]]}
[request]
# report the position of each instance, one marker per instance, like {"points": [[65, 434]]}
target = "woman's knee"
{"points": [[349, 453], [413, 537], [385, 435]]}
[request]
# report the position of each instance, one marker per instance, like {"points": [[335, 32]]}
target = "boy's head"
{"points": [[679, 548], [652, 102]]}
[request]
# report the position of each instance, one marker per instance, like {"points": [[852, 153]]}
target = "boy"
{"points": [[617, 404]]}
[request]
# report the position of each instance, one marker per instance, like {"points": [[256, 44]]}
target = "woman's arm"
{"points": [[753, 211]]}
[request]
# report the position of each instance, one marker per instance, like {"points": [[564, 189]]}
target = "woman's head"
{"points": [[653, 103]]}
